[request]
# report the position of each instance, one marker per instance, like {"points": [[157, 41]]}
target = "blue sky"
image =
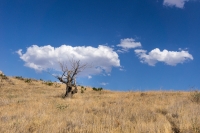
{"points": [[132, 44]]}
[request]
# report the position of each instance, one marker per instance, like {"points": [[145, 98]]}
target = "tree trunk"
{"points": [[75, 90], [68, 91]]}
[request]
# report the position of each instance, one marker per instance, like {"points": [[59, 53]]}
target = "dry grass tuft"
{"points": [[36, 107]]}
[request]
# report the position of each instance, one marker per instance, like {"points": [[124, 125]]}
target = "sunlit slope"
{"points": [[34, 106]]}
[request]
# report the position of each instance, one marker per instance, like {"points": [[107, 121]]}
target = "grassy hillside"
{"points": [[33, 106]]}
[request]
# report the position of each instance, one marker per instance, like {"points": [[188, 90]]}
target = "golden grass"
{"points": [[36, 107]]}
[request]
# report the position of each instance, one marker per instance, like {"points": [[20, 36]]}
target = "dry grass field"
{"points": [[36, 107]]}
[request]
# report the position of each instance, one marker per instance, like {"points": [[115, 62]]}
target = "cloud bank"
{"points": [[169, 57], [40, 58], [176, 3]]}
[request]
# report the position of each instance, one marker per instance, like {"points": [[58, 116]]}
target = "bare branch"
{"points": [[63, 66], [68, 75]]}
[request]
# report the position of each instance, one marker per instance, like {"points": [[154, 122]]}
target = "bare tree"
{"points": [[68, 76]]}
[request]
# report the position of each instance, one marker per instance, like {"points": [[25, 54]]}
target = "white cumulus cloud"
{"points": [[128, 43], [169, 57], [102, 58], [176, 3]]}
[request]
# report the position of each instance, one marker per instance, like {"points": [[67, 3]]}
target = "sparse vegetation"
{"points": [[19, 77], [61, 106], [97, 89], [3, 76], [49, 83], [83, 89], [57, 85], [27, 80], [195, 96], [42, 109]]}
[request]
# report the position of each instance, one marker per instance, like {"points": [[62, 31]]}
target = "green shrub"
{"points": [[97, 89], [100, 89], [19, 77], [49, 83]]}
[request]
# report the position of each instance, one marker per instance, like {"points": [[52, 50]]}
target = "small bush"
{"points": [[195, 96], [49, 83], [27, 80], [19, 77], [61, 106], [100, 89], [97, 89], [143, 94], [82, 89], [3, 76]]}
